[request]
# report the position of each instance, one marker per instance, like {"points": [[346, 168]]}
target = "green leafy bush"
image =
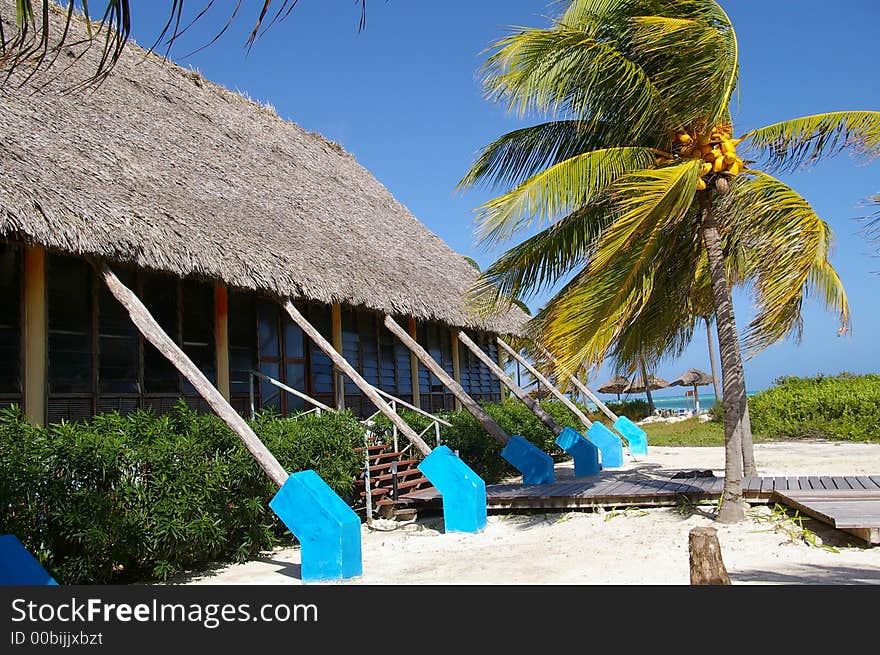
{"points": [[634, 410], [843, 407], [140, 497]]}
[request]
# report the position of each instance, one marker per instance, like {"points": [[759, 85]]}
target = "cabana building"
{"points": [[211, 208]]}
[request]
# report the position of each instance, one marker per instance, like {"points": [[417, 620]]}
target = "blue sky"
{"points": [[403, 97]]}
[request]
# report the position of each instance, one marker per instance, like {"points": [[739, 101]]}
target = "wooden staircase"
{"points": [[382, 480]]}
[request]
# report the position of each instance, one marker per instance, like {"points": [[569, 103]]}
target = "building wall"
{"points": [[95, 360]]}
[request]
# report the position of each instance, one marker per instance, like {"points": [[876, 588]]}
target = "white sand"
{"points": [[622, 546]]}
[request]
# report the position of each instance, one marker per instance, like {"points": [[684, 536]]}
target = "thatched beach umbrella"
{"points": [[638, 385], [617, 384], [693, 377]]}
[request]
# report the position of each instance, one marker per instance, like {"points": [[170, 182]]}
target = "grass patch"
{"points": [[690, 432]]}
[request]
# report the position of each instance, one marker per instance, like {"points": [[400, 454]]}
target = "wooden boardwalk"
{"points": [[856, 511], [613, 489]]}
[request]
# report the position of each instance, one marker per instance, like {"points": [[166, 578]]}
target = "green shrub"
{"points": [[634, 410], [842, 407], [140, 497]]}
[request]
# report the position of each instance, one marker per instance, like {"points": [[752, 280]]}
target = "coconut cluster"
{"points": [[715, 147]]}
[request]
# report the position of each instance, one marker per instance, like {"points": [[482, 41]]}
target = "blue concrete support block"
{"points": [[637, 438], [462, 490], [18, 566], [328, 530], [535, 465], [584, 453], [609, 445]]}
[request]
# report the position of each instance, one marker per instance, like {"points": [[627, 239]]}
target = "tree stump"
{"points": [[707, 567]]}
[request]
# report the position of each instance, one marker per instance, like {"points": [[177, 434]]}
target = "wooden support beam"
{"points": [[368, 390], [221, 339], [153, 333], [338, 378], [35, 337], [456, 366], [469, 403], [540, 378], [414, 365], [580, 386], [518, 391]]}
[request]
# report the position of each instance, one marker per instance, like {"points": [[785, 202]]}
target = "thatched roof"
{"points": [[161, 168], [617, 384], [693, 377], [638, 384]]}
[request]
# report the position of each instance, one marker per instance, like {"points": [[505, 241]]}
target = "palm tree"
{"points": [[643, 208], [712, 362], [34, 41]]}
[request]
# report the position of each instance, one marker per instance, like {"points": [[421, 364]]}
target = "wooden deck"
{"points": [[615, 489], [856, 511]]}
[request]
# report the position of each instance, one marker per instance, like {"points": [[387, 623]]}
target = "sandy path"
{"points": [[634, 546]]}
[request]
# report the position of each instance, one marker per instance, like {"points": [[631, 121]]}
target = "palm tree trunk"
{"points": [[712, 362], [734, 388], [647, 387]]}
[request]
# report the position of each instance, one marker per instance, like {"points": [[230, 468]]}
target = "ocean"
{"points": [[707, 401]]}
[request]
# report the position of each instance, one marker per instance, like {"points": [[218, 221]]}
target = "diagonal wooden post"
{"points": [[457, 390], [518, 391], [154, 333], [634, 435], [540, 378], [637, 438], [368, 390], [585, 390]]}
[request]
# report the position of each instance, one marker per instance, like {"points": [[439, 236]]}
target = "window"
{"points": [[395, 373], [242, 321], [282, 356], [118, 342], [321, 366], [476, 378], [159, 293], [69, 290], [437, 340], [360, 347], [10, 323], [197, 327]]}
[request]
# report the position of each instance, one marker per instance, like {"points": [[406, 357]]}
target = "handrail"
{"points": [[319, 406], [436, 421], [413, 408]]}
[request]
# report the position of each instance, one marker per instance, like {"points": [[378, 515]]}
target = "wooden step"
{"points": [[387, 455], [388, 480], [376, 449], [402, 464], [406, 473], [402, 499], [402, 487], [376, 491]]}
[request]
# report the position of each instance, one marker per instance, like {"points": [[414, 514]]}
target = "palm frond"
{"points": [[557, 191], [800, 142], [541, 260], [693, 61], [871, 229], [787, 250], [34, 44], [581, 323], [580, 70], [517, 155]]}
